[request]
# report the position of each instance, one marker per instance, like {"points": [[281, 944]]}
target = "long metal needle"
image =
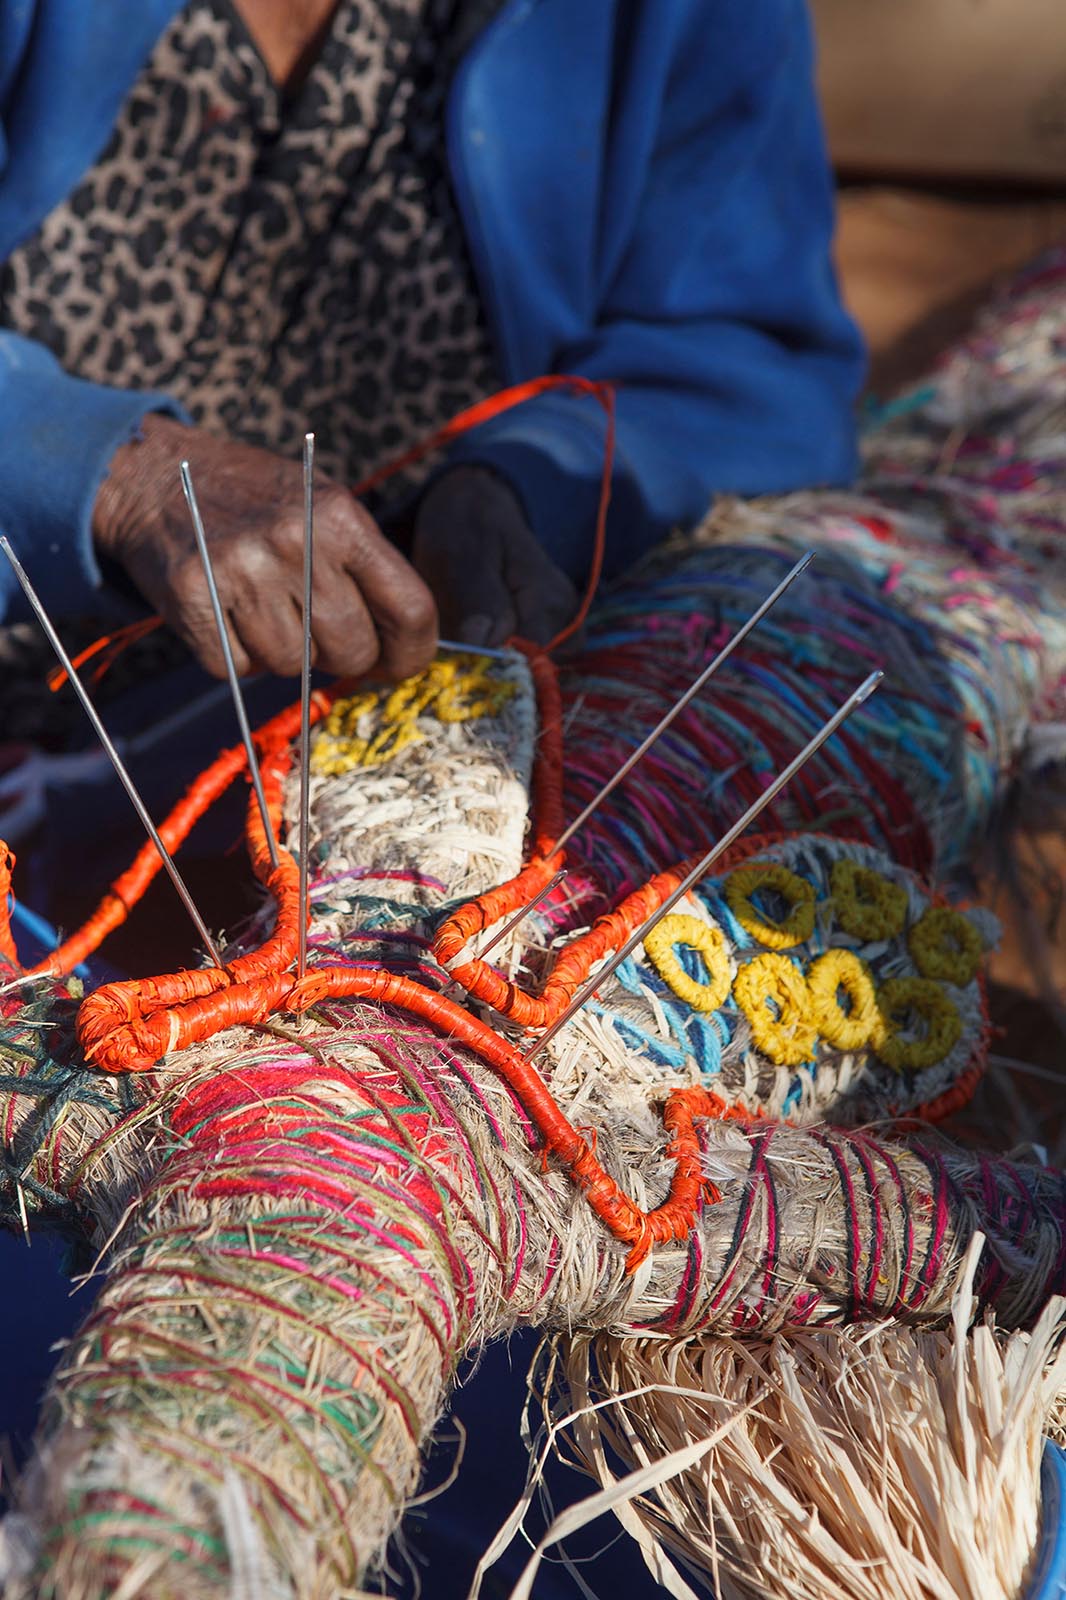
{"points": [[863, 692], [475, 649], [227, 655], [113, 756], [675, 710], [305, 695], [523, 913]]}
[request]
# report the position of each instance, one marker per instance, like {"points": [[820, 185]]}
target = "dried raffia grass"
{"points": [[305, 1226], [879, 1463], [262, 1370]]}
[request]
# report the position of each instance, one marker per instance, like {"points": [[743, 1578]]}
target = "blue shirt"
{"points": [[646, 197]]}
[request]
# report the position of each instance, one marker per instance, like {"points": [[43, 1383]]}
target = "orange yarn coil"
{"points": [[7, 940], [129, 1026]]}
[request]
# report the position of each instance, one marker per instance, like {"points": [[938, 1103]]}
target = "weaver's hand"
{"points": [[371, 610], [490, 576]]}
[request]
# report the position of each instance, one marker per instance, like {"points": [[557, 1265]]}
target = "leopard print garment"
{"points": [[275, 263]]}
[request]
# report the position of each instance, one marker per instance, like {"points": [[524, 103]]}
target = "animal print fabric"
{"points": [[275, 263]]}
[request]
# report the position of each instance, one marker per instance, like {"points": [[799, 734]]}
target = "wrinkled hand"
{"points": [[371, 611], [490, 576]]}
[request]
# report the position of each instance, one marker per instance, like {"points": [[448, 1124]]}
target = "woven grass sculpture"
{"points": [[311, 1199]]}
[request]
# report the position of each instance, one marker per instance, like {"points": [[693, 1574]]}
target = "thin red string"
{"points": [[108, 647]]}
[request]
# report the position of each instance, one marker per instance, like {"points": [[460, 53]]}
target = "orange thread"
{"points": [[484, 411], [108, 647], [138, 1043], [573, 964], [956, 1098], [7, 938], [272, 741]]}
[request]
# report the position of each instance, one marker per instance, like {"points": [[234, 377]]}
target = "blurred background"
{"points": [[947, 128]]}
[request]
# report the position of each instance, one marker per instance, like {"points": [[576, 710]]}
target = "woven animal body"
{"points": [[310, 1218]]}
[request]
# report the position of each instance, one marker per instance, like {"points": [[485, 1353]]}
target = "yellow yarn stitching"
{"points": [[842, 969], [868, 905], [339, 745], [941, 1017], [709, 941], [473, 692], [746, 881], [789, 1037], [946, 946], [458, 688]]}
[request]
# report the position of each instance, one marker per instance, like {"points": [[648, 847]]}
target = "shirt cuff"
{"points": [[58, 435]]}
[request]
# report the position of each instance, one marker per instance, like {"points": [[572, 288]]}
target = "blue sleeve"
{"points": [[717, 307], [57, 437]]}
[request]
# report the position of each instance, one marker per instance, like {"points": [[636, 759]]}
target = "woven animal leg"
{"points": [[251, 1393], [332, 1221]]}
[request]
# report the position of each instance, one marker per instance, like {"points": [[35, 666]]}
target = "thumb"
{"points": [[485, 615], [479, 609]]}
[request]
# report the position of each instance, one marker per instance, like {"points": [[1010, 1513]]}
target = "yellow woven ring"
{"points": [[842, 969], [940, 1014], [746, 881], [945, 945], [868, 905], [789, 1037], [701, 936]]}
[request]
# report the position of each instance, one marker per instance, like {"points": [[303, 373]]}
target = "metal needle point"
{"points": [[305, 696], [474, 649], [227, 655], [523, 913], [112, 754], [863, 692], [675, 710]]}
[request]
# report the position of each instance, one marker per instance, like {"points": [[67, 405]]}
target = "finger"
{"points": [[489, 628], [464, 569], [540, 617], [401, 605], [271, 632], [474, 629], [544, 598], [405, 616], [345, 637], [186, 605], [480, 608]]}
